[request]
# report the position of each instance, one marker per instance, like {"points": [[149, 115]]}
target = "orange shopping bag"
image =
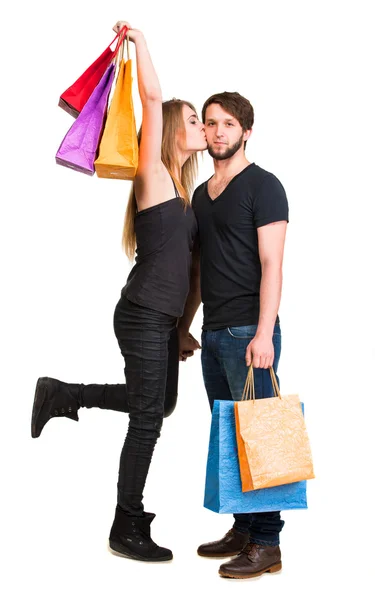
{"points": [[272, 441], [118, 150]]}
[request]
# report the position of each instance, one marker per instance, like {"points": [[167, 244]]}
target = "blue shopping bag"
{"points": [[223, 490]]}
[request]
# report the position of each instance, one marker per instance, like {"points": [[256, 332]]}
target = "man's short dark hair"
{"points": [[234, 104]]}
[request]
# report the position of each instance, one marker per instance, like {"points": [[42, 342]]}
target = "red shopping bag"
{"points": [[76, 96]]}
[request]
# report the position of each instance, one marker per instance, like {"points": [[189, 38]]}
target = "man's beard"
{"points": [[229, 151]]}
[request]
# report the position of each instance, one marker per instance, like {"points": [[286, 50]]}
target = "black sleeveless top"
{"points": [[160, 278]]}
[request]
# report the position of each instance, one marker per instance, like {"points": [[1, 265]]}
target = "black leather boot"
{"points": [[130, 537], [53, 398]]}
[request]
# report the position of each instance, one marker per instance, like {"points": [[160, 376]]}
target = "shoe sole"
{"points": [[119, 550], [39, 398], [227, 555], [274, 569]]}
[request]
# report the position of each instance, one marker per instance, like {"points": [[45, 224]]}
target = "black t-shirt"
{"points": [[228, 239]]}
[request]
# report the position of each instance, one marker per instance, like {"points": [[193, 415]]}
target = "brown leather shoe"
{"points": [[254, 560], [230, 545]]}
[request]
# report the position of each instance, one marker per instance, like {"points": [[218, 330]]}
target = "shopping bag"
{"points": [[223, 490], [272, 440], [118, 150], [79, 147], [75, 97]]}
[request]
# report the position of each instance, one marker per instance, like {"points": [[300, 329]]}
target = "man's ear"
{"points": [[247, 134]]}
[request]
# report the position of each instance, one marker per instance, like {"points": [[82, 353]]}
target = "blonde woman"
{"points": [[160, 227]]}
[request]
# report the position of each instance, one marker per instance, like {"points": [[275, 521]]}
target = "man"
{"points": [[242, 214]]}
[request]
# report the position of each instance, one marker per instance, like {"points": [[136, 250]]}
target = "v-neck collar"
{"points": [[225, 189]]}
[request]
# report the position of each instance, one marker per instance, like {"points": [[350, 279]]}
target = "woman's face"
{"points": [[194, 137]]}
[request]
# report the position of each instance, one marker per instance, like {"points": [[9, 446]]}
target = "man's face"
{"points": [[224, 134]]}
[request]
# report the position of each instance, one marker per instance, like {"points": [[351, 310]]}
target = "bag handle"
{"points": [[122, 34], [275, 385], [249, 388], [120, 50], [119, 34], [127, 44]]}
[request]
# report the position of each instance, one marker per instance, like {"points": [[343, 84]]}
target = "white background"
{"points": [[307, 68]]}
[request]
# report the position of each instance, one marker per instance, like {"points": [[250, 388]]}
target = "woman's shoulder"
{"points": [[153, 188]]}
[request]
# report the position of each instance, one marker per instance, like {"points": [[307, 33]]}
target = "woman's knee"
{"points": [[146, 426]]}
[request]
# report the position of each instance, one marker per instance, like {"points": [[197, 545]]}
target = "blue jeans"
{"points": [[224, 373]]}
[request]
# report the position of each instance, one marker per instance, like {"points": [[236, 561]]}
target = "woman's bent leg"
{"points": [[55, 398], [115, 396]]}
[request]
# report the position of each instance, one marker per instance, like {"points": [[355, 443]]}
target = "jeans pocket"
{"points": [[243, 331]]}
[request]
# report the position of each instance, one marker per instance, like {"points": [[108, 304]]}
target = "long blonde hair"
{"points": [[172, 123]]}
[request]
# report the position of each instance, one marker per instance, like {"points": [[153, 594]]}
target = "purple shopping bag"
{"points": [[79, 147]]}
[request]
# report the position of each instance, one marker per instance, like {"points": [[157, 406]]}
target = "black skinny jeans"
{"points": [[148, 342]]}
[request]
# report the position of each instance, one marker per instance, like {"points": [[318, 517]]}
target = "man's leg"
{"points": [[214, 378], [262, 554], [217, 388], [263, 527]]}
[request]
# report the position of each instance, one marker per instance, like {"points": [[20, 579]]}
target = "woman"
{"points": [[160, 223]]}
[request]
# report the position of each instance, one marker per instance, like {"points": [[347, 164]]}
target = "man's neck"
{"points": [[225, 169]]}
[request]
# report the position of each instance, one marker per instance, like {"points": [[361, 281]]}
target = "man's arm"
{"points": [[271, 240], [186, 341]]}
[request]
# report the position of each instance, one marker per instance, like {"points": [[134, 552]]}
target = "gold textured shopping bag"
{"points": [[118, 150], [272, 441]]}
